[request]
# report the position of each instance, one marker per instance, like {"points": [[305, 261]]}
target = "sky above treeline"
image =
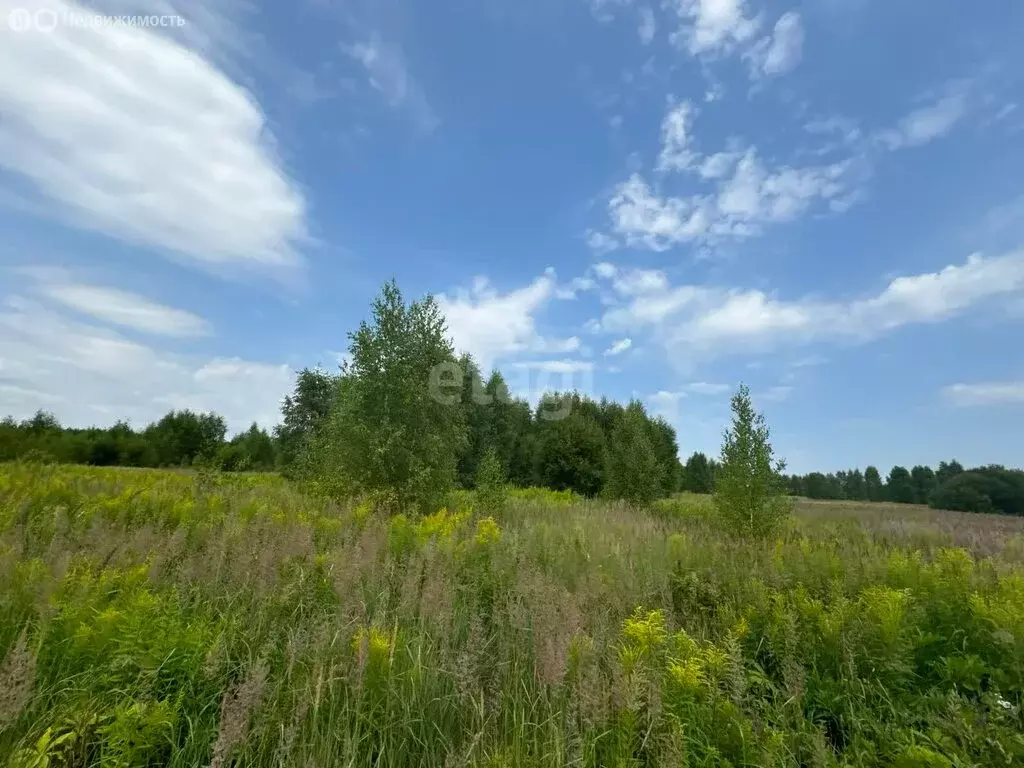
{"points": [[649, 200]]}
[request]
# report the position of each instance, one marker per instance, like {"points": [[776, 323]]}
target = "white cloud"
{"points": [[779, 52], [776, 394], [694, 320], [129, 133], [676, 154], [718, 165], [386, 69], [711, 26], [654, 222], [927, 123], [89, 375], [648, 27], [756, 195], [742, 203], [123, 308], [665, 404], [491, 325], [604, 10], [988, 393], [600, 243], [555, 366], [640, 281], [605, 270], [573, 288], [707, 388], [618, 347]]}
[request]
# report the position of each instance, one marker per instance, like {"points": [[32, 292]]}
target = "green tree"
{"points": [[698, 475], [817, 486], [397, 426], [948, 471], [750, 493], [570, 452], [855, 488], [924, 482], [873, 486], [182, 438], [304, 411], [666, 451], [899, 487], [633, 470]]}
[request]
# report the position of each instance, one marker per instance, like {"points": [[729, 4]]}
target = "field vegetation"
{"points": [[158, 618]]}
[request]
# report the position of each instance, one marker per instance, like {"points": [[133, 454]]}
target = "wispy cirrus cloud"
{"points": [[388, 73], [126, 309], [927, 123], [985, 393]]}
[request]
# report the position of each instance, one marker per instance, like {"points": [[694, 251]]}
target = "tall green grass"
{"points": [[157, 618]]}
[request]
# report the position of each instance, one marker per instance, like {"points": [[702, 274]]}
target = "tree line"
{"points": [[407, 419], [179, 439], [992, 488]]}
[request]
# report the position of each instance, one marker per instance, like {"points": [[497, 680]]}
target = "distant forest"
{"points": [[569, 453]]}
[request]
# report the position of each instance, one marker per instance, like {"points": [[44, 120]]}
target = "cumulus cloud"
{"points": [[748, 195], [676, 153], [712, 26], [780, 51], [126, 131], [490, 325], [89, 375], [644, 218], [706, 320], [987, 393]]}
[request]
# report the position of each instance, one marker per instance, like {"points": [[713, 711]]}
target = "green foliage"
{"points": [[633, 471], [491, 490], [396, 426], [699, 474], [570, 446], [899, 486], [873, 486], [749, 488], [179, 439], [145, 620], [303, 412], [924, 482], [985, 489]]}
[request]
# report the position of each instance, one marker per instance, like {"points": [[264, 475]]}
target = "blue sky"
{"points": [[650, 200]]}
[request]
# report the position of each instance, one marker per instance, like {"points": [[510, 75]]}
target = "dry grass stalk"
{"points": [[17, 679], [236, 706]]}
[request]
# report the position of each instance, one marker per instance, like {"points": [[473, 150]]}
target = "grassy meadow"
{"points": [[163, 618]]}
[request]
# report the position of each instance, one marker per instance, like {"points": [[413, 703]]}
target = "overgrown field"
{"points": [[156, 618]]}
